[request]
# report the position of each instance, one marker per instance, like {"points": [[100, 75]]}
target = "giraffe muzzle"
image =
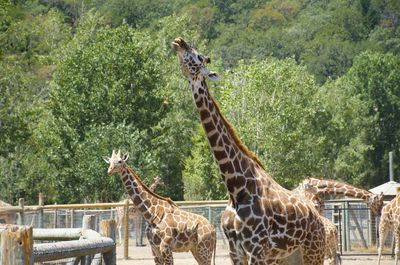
{"points": [[180, 44]]}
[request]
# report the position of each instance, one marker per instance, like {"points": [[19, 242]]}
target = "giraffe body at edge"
{"points": [[169, 229], [390, 220], [264, 222]]}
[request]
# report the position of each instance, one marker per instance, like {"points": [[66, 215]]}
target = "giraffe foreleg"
{"points": [[236, 253], [158, 258], [383, 231], [397, 243], [166, 253]]}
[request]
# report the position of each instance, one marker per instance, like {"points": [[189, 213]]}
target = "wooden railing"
{"points": [[17, 245]]}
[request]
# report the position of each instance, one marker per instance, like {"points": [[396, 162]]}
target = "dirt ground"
{"points": [[143, 256]]}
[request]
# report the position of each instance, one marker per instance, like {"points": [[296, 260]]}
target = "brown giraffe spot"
{"points": [[213, 138], [240, 182], [215, 119], [209, 127], [204, 114], [125, 179], [227, 168], [244, 211], [251, 186], [236, 165], [281, 243], [257, 208], [211, 106], [220, 155], [280, 219], [199, 102], [137, 200], [225, 138]]}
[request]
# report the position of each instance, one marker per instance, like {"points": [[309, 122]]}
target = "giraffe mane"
{"points": [[234, 136], [136, 175]]}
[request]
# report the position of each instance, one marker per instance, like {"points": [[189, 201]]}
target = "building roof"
{"points": [[389, 188]]}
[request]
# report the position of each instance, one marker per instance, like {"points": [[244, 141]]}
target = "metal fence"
{"points": [[356, 226]]}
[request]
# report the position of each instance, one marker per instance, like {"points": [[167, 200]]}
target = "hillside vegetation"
{"points": [[312, 87]]}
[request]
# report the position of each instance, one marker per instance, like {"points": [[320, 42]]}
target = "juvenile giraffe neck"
{"points": [[236, 163], [149, 204], [331, 187]]}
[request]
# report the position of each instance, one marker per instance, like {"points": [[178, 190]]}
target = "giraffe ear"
{"points": [[107, 159], [213, 76], [210, 74], [125, 157]]}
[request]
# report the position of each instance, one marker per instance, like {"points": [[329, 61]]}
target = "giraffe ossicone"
{"points": [[169, 229], [264, 222]]}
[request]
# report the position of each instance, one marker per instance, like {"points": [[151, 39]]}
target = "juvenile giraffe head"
{"points": [[375, 203], [117, 163], [191, 61]]}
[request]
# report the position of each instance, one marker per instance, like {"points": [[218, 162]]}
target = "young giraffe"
{"points": [[169, 229], [333, 187], [308, 192], [390, 220], [264, 222], [134, 214]]}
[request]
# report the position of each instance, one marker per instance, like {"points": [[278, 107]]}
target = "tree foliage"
{"points": [[310, 86]]}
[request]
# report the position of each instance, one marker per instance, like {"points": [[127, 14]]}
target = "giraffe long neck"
{"points": [[331, 187], [237, 165], [149, 204]]}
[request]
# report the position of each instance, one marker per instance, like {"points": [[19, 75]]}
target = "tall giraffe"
{"points": [[390, 220], [169, 229], [264, 222], [135, 215], [333, 187]]}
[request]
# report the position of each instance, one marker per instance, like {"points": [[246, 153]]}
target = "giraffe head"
{"points": [[191, 61], [375, 203], [117, 162], [307, 186]]}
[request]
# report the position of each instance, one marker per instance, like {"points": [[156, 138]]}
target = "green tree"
{"points": [[375, 78], [271, 105], [201, 177], [105, 77]]}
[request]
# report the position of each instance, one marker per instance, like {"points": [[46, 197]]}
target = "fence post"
{"points": [[126, 229], [55, 219], [41, 211], [16, 246], [88, 222], [72, 217], [107, 229], [21, 215], [347, 226]]}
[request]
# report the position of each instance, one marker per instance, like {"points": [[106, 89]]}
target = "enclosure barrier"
{"points": [[17, 245], [357, 228]]}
